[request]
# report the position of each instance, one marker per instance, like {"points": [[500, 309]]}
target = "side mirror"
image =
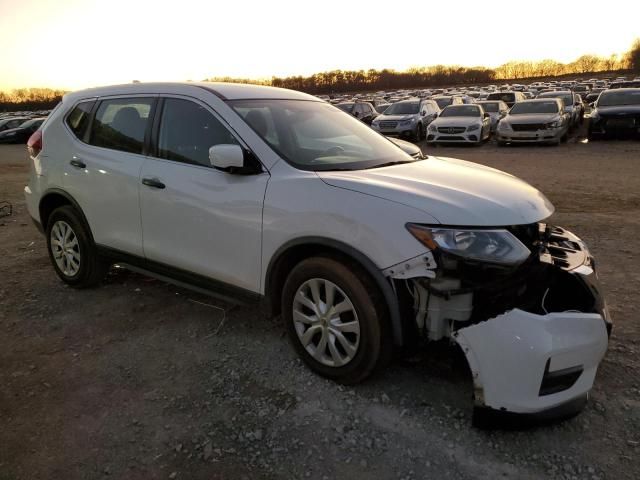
{"points": [[424, 112], [226, 157], [486, 115], [356, 114]]}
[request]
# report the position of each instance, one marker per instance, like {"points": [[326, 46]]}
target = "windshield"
{"points": [[28, 123], [443, 101], [317, 136], [522, 108], [490, 107], [567, 98], [505, 97], [461, 111], [346, 107], [403, 108], [610, 98]]}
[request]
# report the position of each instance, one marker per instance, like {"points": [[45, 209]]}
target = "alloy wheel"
{"points": [[65, 248], [326, 322]]}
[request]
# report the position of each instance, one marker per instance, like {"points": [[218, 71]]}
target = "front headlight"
{"points": [[433, 127], [471, 128], [408, 121], [555, 124], [492, 246], [502, 125]]}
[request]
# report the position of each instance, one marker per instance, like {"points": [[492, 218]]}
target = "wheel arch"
{"points": [[54, 198], [294, 251]]}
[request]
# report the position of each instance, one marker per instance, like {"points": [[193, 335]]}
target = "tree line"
{"points": [[337, 81], [29, 99]]}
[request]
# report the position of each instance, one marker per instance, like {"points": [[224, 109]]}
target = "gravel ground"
{"points": [[141, 380]]}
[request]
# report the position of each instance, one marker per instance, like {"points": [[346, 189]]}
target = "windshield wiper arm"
{"points": [[389, 164]]}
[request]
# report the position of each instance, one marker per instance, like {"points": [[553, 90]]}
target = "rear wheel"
{"points": [[72, 251], [336, 319]]}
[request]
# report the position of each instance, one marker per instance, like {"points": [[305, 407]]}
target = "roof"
{"points": [[226, 91]]}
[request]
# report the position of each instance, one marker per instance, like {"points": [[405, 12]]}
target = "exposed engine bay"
{"points": [[533, 333]]}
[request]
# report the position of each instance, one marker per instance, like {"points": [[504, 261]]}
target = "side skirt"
{"points": [[181, 278]]}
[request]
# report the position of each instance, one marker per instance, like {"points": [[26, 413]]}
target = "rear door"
{"points": [[103, 169], [195, 218]]}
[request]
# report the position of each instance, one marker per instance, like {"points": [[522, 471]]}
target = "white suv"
{"points": [[260, 193]]}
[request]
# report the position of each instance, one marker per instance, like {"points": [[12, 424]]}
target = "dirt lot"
{"points": [[138, 379]]}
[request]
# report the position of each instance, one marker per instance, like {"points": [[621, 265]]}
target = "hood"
{"points": [[395, 118], [455, 121], [532, 118], [455, 192], [619, 110]]}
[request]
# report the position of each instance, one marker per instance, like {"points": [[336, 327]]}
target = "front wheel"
{"points": [[71, 249], [335, 319]]}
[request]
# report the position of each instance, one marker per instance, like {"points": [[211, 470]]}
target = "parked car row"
{"points": [[431, 114], [18, 130]]}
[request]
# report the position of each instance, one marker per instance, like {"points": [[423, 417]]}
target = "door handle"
{"points": [[153, 182], [78, 163]]}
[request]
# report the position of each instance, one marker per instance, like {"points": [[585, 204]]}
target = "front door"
{"points": [[194, 217]]}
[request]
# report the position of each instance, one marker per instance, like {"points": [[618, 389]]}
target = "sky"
{"points": [[73, 44]]}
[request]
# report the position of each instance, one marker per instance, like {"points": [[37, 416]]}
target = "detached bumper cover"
{"points": [[509, 356]]}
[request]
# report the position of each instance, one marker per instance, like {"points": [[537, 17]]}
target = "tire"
{"points": [[365, 345], [419, 133], [80, 265]]}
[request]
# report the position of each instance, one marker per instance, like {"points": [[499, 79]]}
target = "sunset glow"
{"points": [[73, 44]]}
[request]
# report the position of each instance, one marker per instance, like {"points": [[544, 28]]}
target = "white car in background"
{"points": [[460, 123], [263, 194]]}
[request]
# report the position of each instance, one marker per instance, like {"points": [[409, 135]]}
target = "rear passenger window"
{"points": [[120, 124], [79, 117], [188, 130]]}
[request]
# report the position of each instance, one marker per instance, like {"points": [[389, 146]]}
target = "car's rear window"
{"points": [[505, 97], [490, 107]]}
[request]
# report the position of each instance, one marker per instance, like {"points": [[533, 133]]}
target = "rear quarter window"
{"points": [[78, 119]]}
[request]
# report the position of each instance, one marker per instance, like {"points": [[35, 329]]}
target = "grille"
{"points": [[388, 124], [450, 137], [527, 127], [451, 129]]}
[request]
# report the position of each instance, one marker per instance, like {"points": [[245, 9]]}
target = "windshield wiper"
{"points": [[388, 164]]}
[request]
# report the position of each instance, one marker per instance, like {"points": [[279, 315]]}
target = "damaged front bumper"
{"points": [[527, 363], [533, 336]]}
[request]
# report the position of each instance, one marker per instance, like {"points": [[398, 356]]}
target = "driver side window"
{"points": [[188, 130]]}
